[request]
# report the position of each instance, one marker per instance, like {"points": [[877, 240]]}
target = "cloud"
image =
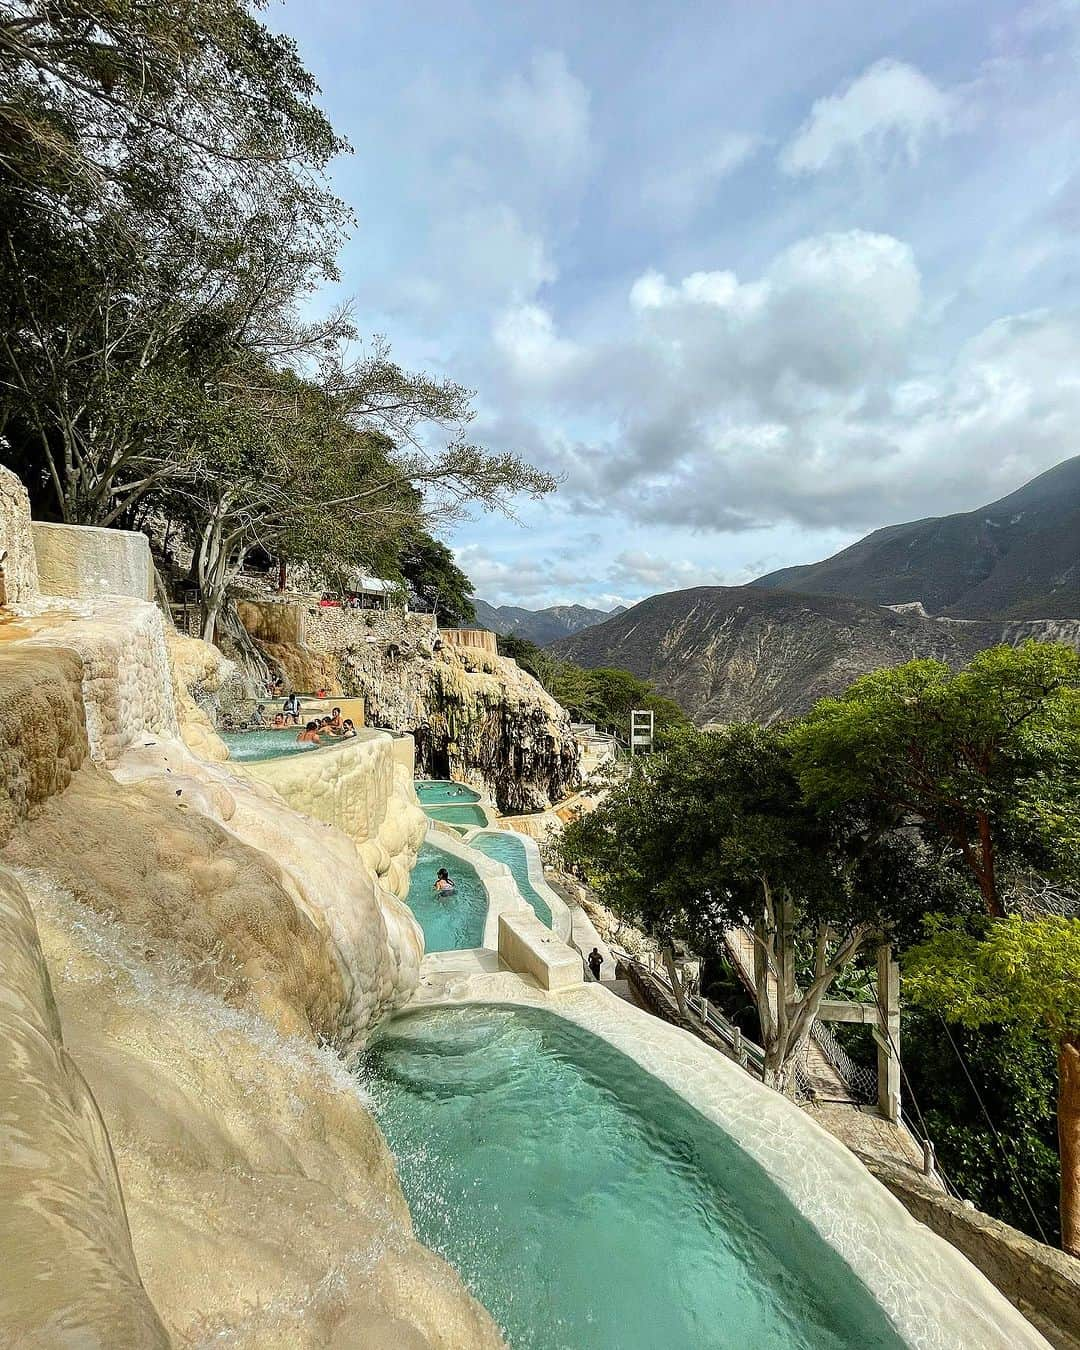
{"points": [[525, 338], [680, 188], [891, 109], [639, 572], [803, 395]]}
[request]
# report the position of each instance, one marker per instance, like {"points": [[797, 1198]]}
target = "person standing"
{"points": [[596, 962]]}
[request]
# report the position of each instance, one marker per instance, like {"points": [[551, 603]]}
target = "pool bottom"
{"points": [[587, 1205]]}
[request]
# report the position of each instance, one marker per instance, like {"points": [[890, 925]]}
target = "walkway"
{"points": [[819, 1079]]}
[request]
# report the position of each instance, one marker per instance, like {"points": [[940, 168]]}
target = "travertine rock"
{"points": [[198, 669], [18, 562]]}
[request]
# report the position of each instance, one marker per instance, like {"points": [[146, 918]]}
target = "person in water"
{"points": [[347, 729], [443, 884], [309, 735], [335, 721], [596, 962]]}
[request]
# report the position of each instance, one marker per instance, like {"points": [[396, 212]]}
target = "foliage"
{"points": [[435, 579], [712, 832], [1014, 1073], [986, 760], [1021, 972], [603, 697], [163, 217]]}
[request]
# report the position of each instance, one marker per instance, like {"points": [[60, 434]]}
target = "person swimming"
{"points": [[443, 884]]}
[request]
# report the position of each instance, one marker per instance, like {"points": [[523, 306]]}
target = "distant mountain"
{"points": [[734, 653], [1018, 558], [539, 625]]}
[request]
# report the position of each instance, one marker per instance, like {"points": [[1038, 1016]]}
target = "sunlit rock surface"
{"points": [[477, 718], [204, 940]]}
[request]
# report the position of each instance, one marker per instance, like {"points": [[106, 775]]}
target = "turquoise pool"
{"points": [[456, 921], [588, 1206], [435, 790], [264, 744], [508, 848], [457, 815]]}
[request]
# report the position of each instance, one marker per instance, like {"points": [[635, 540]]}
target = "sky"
{"points": [[750, 278]]}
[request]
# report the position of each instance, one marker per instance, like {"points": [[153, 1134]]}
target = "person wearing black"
{"points": [[596, 962]]}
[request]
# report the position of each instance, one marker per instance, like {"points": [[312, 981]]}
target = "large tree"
{"points": [[1024, 973], [984, 761], [712, 832]]}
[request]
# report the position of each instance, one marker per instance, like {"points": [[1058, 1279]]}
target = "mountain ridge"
{"points": [[735, 653], [1016, 558], [541, 626]]}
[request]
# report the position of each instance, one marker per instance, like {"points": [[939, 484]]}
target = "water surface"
{"points": [[507, 847], [449, 922], [588, 1206]]}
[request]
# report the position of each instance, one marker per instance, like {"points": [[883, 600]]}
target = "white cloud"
{"points": [[891, 108], [526, 339], [545, 115], [638, 572]]}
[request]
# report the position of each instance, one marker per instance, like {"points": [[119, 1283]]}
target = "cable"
{"points": [[1008, 1161]]}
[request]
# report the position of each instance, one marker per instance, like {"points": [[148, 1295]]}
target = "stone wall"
{"points": [[80, 561], [1041, 1281]]}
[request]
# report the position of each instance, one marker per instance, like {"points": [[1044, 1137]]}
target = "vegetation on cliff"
{"points": [[165, 216], [922, 796]]}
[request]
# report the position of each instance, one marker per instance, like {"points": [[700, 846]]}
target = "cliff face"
{"points": [[475, 717], [744, 653], [185, 961]]}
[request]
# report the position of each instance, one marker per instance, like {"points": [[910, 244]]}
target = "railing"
{"points": [[859, 1081], [744, 1051]]}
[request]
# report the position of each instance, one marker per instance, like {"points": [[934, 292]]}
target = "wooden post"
{"points": [[888, 1042]]}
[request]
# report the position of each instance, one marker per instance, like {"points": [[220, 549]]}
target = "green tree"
{"points": [[985, 760], [1015, 972], [712, 832], [429, 570]]}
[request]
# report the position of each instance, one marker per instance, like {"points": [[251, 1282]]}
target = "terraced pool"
{"points": [[245, 745], [588, 1206], [506, 847], [449, 922]]}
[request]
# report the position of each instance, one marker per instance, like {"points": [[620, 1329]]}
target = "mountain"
{"points": [[733, 653], [1018, 558], [539, 625]]}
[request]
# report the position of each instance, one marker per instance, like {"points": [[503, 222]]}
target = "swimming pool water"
{"points": [[588, 1206], [434, 790], [458, 815], [508, 848], [453, 921], [265, 744]]}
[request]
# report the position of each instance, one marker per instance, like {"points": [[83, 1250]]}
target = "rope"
{"points": [[993, 1130]]}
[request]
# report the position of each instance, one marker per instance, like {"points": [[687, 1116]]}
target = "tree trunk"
{"points": [[676, 983], [1069, 1141]]}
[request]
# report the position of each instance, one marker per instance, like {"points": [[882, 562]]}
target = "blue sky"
{"points": [[752, 278]]}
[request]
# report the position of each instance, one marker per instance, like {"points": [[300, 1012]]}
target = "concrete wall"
{"points": [[81, 561], [1041, 1281], [530, 948]]}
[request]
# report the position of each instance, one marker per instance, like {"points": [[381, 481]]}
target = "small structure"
{"points": [[479, 639], [641, 730]]}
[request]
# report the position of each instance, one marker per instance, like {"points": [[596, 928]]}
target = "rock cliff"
{"points": [[187, 966], [475, 717], [727, 653]]}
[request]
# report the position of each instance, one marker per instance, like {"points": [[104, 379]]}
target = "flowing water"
{"points": [[588, 1206], [453, 921], [506, 847]]}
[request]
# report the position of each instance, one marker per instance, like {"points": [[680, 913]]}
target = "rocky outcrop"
{"points": [[475, 717], [185, 1156]]}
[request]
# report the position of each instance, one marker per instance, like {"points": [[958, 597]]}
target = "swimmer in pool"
{"points": [[443, 884], [309, 735]]}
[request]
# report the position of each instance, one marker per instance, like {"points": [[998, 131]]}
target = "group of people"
{"points": [[333, 727]]}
